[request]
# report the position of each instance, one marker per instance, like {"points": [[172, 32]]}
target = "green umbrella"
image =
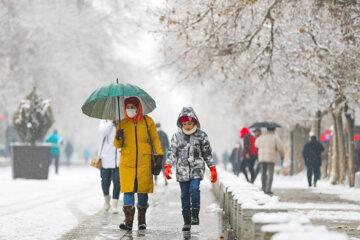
{"points": [[107, 102]]}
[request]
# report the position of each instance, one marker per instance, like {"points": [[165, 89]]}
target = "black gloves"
{"points": [[119, 134]]}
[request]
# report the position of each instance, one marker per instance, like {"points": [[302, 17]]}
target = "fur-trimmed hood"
{"points": [[189, 112]]}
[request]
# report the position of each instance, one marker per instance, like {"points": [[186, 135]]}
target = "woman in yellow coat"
{"points": [[135, 163]]}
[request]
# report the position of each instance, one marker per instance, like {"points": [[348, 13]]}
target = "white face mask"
{"points": [[131, 112]]}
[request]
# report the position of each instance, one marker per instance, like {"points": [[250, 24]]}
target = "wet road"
{"points": [[164, 219]]}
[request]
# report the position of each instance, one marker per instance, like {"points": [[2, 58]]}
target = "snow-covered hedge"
{"points": [[33, 118]]}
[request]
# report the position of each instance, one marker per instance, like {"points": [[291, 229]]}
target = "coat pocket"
{"points": [[145, 148], [125, 151]]}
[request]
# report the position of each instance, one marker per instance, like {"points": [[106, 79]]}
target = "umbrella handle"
{"points": [[118, 103]]}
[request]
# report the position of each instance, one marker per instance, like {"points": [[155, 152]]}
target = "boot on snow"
{"points": [[195, 216], [187, 223], [107, 202], [113, 207], [129, 212], [141, 216]]}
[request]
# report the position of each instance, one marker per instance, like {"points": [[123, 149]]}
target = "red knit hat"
{"points": [[187, 119], [243, 132], [132, 100]]}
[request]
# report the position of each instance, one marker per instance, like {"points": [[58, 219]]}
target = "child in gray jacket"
{"points": [[190, 149]]}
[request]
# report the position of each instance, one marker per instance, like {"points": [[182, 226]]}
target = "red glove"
{"points": [[168, 171], [213, 174]]}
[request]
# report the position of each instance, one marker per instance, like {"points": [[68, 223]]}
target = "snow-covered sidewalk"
{"points": [[40, 209], [69, 206], [335, 206]]}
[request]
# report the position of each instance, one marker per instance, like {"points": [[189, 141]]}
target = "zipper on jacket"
{"points": [[188, 161], [136, 142]]}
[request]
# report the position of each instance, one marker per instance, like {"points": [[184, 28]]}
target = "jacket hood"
{"points": [[189, 112], [244, 131]]}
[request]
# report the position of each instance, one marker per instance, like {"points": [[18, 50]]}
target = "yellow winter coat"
{"points": [[135, 161]]}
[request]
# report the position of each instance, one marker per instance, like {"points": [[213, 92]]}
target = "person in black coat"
{"points": [[164, 145], [312, 156], [236, 160]]}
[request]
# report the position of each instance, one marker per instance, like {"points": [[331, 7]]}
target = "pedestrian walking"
{"points": [[216, 159], [164, 145], [270, 150], [110, 159], [250, 151], [236, 160], [190, 150], [225, 158], [357, 158], [56, 142], [257, 133], [312, 157], [87, 155], [135, 165], [68, 152]]}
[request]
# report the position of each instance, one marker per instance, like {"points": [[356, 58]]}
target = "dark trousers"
{"points": [[243, 166], [108, 174], [249, 163], [190, 196], [267, 173], [310, 171], [56, 162]]}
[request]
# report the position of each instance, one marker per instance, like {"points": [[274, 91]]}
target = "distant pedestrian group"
{"points": [[258, 152]]}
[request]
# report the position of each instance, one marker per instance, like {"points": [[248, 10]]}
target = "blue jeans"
{"points": [[316, 174], [106, 175], [129, 197], [190, 195]]}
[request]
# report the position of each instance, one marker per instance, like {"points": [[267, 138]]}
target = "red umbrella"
{"points": [[357, 137], [325, 137]]}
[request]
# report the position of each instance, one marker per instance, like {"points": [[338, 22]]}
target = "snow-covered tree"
{"points": [[66, 49], [33, 118], [279, 60]]}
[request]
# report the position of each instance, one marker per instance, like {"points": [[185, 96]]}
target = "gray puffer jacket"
{"points": [[190, 152]]}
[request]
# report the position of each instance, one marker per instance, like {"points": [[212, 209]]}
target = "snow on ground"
{"points": [[333, 215], [314, 210], [299, 181], [46, 209]]}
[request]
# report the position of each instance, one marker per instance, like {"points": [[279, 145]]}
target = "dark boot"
{"points": [[141, 216], [187, 223], [129, 212], [195, 216]]}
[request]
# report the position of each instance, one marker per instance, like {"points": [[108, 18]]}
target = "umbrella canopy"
{"points": [[103, 102], [259, 125], [273, 125], [265, 125]]}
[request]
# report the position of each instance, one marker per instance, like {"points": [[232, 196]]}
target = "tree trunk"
{"points": [[341, 146], [324, 163], [351, 158], [314, 126], [330, 157], [334, 175]]}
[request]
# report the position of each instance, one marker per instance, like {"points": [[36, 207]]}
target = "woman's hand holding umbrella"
{"points": [[119, 134]]}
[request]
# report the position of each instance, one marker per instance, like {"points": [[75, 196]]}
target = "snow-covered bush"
{"points": [[33, 118]]}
